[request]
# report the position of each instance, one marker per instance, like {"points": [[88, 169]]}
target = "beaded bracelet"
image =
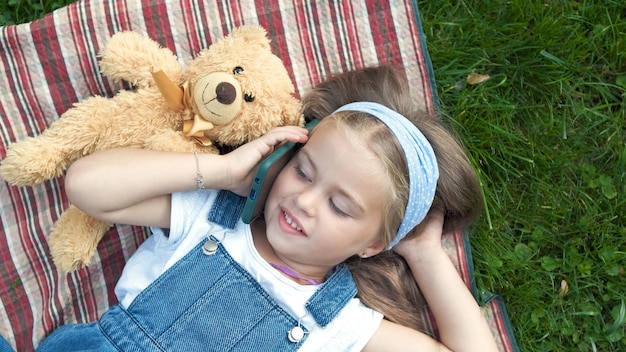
{"points": [[199, 180]]}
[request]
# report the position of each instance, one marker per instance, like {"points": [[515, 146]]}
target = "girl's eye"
{"points": [[336, 209], [301, 173]]}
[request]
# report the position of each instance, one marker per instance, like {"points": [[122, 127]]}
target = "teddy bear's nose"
{"points": [[226, 93]]}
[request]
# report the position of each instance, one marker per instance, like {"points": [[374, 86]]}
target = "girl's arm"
{"points": [[133, 186], [461, 324]]}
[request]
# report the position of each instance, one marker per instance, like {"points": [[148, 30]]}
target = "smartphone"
{"points": [[266, 174]]}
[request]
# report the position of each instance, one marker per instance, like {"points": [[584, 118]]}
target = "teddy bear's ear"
{"points": [[130, 56], [252, 34]]}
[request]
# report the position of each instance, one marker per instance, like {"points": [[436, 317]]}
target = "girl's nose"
{"points": [[307, 200]]}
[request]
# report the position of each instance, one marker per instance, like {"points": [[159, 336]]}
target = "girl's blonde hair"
{"points": [[385, 281]]}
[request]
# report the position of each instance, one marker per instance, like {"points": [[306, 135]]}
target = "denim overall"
{"points": [[205, 302]]}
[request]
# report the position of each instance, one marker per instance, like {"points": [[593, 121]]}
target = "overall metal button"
{"points": [[209, 247], [296, 334]]}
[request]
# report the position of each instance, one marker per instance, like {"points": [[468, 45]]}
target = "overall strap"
{"points": [[226, 210], [332, 296]]}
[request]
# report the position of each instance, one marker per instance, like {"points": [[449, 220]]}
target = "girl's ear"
{"points": [[374, 248]]}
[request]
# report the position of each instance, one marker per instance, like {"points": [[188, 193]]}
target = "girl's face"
{"points": [[328, 203]]}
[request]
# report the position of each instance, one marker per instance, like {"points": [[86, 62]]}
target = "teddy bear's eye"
{"points": [[248, 97], [238, 70]]}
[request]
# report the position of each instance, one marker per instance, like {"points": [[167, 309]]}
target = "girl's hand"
{"points": [[424, 238], [242, 163], [458, 317]]}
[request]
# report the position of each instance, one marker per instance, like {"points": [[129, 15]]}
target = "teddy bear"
{"points": [[232, 92]]}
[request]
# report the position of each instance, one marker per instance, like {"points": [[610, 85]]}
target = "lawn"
{"points": [[546, 132]]}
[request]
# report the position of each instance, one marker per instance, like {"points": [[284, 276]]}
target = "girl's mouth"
{"points": [[292, 222]]}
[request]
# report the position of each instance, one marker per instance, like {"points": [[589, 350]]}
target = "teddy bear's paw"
{"points": [[26, 164], [11, 172], [74, 240]]}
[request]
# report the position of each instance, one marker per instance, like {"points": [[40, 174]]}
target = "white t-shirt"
{"points": [[349, 331]]}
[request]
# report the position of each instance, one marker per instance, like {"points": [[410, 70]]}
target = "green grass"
{"points": [[546, 134], [21, 11]]}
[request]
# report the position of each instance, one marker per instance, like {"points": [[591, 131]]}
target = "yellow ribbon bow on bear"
{"points": [[179, 99]]}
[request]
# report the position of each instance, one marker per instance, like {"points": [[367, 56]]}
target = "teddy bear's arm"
{"points": [[75, 134], [130, 56]]}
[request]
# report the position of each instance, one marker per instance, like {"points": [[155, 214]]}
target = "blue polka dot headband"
{"points": [[421, 160]]}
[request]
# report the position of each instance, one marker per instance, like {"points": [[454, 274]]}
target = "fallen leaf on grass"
{"points": [[476, 78], [564, 288]]}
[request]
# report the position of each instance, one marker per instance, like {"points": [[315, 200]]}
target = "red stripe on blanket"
{"points": [[31, 230], [418, 53], [112, 261], [47, 277], [157, 23], [231, 15], [118, 18], [322, 39], [87, 42], [23, 98], [351, 37], [237, 14], [386, 40], [498, 314], [195, 38], [81, 297], [53, 64], [13, 292], [338, 41], [270, 18], [305, 39], [462, 259], [84, 41]]}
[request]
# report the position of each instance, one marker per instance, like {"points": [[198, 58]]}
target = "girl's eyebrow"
{"points": [[341, 190]]}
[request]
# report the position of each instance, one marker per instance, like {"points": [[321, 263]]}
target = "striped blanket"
{"points": [[49, 64]]}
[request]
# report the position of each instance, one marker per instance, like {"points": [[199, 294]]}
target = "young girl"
{"points": [[364, 180], [385, 281]]}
